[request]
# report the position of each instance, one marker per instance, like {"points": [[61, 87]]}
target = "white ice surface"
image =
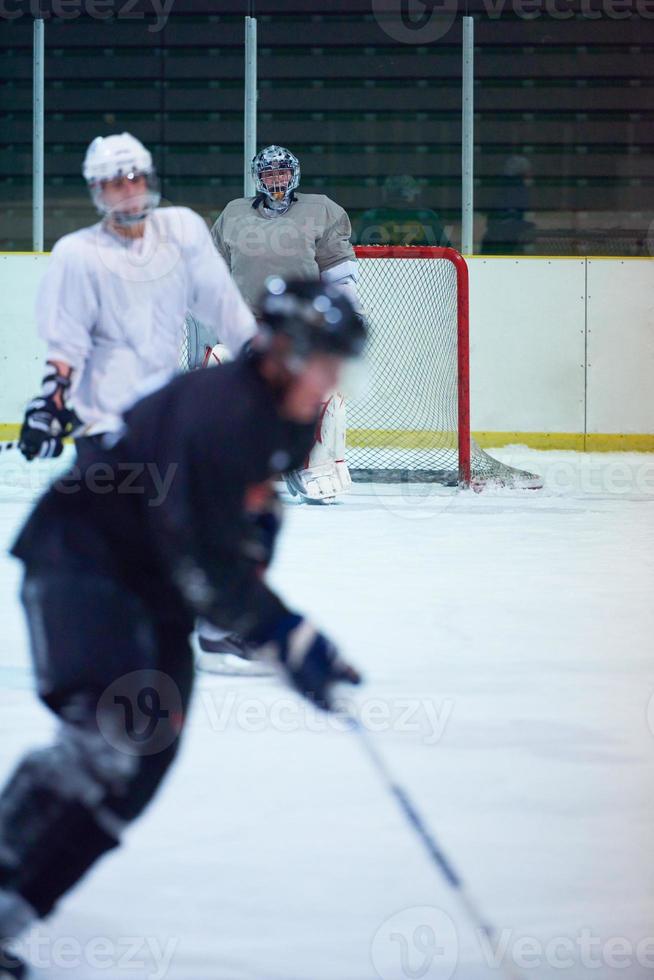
{"points": [[516, 629]]}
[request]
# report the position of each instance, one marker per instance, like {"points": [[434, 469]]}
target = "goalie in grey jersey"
{"points": [[295, 236]]}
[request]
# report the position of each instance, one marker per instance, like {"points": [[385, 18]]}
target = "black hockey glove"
{"points": [[46, 423], [309, 658]]}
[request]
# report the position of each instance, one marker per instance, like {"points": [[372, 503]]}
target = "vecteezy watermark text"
{"points": [[112, 955], [120, 478], [426, 21], [103, 10], [418, 716], [421, 943], [582, 949]]}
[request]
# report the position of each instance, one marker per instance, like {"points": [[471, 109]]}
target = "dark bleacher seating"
{"points": [[571, 97]]}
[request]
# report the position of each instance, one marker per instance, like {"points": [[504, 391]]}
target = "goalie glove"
{"points": [[309, 659], [47, 420]]}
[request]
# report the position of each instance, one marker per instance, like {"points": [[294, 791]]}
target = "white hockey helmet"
{"points": [[274, 158], [120, 155]]}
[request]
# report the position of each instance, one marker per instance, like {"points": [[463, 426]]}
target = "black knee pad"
{"points": [[66, 805], [134, 739], [53, 826]]}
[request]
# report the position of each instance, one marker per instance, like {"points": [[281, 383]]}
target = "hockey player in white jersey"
{"points": [[296, 236], [112, 303]]}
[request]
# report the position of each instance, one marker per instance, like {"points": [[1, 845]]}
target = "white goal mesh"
{"points": [[414, 415], [412, 423]]}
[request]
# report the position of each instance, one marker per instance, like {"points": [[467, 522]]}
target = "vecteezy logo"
{"points": [[415, 21], [148, 702], [417, 24], [416, 944], [141, 712]]}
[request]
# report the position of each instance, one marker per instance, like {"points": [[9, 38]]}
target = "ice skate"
{"points": [[227, 654]]}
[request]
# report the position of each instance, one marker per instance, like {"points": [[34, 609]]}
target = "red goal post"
{"points": [[434, 253], [413, 422]]}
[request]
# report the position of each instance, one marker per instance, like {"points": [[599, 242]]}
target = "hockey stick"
{"points": [[425, 835]]}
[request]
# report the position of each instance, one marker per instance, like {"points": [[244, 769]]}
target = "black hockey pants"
{"points": [[119, 676]]}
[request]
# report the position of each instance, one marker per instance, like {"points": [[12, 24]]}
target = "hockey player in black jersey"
{"points": [[177, 519]]}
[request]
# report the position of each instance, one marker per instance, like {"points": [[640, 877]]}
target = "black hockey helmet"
{"points": [[315, 316]]}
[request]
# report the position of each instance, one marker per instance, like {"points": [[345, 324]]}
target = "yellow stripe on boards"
{"points": [[430, 439], [534, 440], [616, 442], [400, 438], [597, 442]]}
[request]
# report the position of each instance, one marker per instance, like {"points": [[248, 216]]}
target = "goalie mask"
{"points": [[121, 178], [317, 318], [276, 173]]}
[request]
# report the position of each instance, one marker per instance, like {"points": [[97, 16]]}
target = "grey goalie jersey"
{"points": [[305, 242]]}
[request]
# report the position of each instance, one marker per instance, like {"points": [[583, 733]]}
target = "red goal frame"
{"points": [[463, 329]]}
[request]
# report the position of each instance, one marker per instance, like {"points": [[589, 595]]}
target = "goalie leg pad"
{"points": [[330, 433], [326, 474], [316, 484]]}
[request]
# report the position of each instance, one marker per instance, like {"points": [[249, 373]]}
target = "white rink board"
{"points": [[22, 351], [620, 345], [527, 323], [527, 330]]}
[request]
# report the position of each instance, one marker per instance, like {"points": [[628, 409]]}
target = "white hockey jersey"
{"points": [[113, 308]]}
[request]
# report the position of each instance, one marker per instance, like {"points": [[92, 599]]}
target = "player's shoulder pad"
{"points": [[181, 225], [180, 217], [237, 202], [323, 202], [234, 207], [233, 214], [312, 198], [235, 211], [76, 243]]}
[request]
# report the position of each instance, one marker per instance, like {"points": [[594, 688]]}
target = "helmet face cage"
{"points": [[116, 211], [272, 161]]}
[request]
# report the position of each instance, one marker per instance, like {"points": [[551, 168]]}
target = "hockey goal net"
{"points": [[413, 423]]}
